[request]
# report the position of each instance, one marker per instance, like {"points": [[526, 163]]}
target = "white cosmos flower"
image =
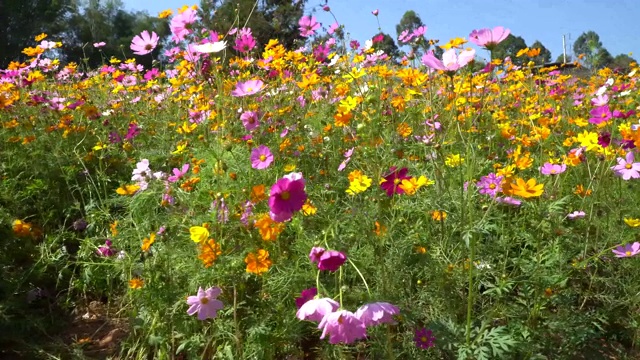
{"points": [[211, 47]]}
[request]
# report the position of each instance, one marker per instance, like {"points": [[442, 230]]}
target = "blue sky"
{"points": [[616, 21]]}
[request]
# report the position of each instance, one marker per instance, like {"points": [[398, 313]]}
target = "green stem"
{"points": [[472, 246]]}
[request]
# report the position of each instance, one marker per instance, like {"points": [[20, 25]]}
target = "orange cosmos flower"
{"points": [[258, 263], [136, 283], [269, 229], [209, 252], [526, 189]]}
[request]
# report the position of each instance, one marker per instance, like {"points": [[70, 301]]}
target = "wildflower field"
{"points": [[316, 203]]}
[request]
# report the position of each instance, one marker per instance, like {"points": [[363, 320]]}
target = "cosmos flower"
{"points": [[261, 157], [287, 196], [489, 38], [377, 313], [627, 168], [627, 250], [247, 88], [451, 61], [205, 303], [342, 327], [144, 43]]}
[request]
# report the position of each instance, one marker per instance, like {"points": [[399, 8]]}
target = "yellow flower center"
{"points": [[423, 339], [492, 186], [204, 300], [285, 195], [249, 89], [263, 157], [553, 171], [628, 253], [396, 181], [628, 166]]}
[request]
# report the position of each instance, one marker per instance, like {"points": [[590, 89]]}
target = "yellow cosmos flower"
{"points": [[453, 160], [632, 222], [198, 233], [128, 189]]}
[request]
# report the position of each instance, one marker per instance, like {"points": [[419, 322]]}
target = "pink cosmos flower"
{"points": [[450, 60], [205, 303], [317, 309], [181, 24], [333, 28], [489, 38], [99, 44], [178, 173], [249, 120], [552, 169], [308, 26], [261, 157], [331, 260], [343, 327], [600, 100], [375, 12], [627, 250], [247, 88], [315, 254], [490, 185], [508, 200], [377, 313], [576, 215], [144, 43], [287, 196], [627, 168]]}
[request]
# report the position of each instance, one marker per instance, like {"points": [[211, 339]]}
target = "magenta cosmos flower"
{"points": [[391, 183], [627, 168], [377, 313], [247, 88], [627, 250], [600, 114], [144, 43], [552, 169], [424, 338], [305, 296], [490, 185], [331, 260], [343, 327], [308, 26], [261, 157], [205, 303], [287, 196], [178, 173], [489, 38], [450, 62], [317, 309]]}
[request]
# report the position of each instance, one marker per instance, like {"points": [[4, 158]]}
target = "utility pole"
{"points": [[564, 50]]}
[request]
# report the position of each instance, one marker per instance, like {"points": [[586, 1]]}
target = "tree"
{"points": [[409, 22], [21, 21], [544, 56], [107, 21], [595, 55], [270, 19], [510, 47], [622, 62], [388, 45], [560, 58]]}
